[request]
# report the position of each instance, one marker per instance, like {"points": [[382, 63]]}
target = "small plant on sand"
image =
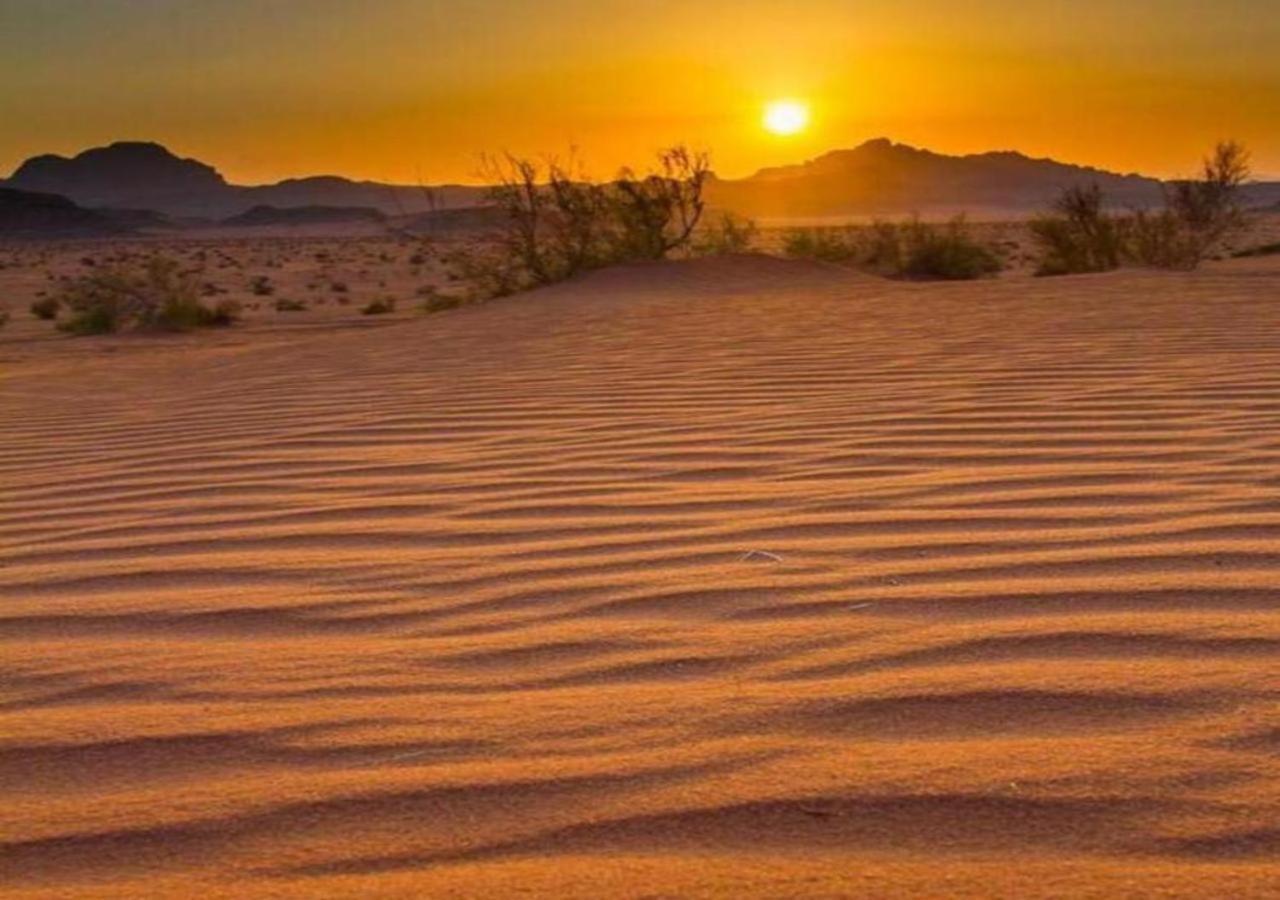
{"points": [[1198, 216], [836, 244], [727, 236], [379, 307], [286, 305], [945, 253], [46, 308], [153, 295], [556, 223], [1208, 208], [1079, 235], [1260, 250], [261, 286], [912, 249]]}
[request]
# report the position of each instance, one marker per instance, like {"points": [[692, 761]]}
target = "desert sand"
{"points": [[732, 578]]}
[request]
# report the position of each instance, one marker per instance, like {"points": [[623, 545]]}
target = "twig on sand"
{"points": [[760, 554]]}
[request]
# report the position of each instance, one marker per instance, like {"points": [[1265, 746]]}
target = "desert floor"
{"points": [[733, 578]]}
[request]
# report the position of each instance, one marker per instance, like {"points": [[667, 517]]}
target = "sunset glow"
{"points": [[407, 90], [786, 117]]}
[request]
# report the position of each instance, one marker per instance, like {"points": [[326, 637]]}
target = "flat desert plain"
{"points": [[722, 578]]}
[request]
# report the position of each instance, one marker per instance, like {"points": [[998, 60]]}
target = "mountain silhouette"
{"points": [[25, 214], [146, 175], [881, 176]]}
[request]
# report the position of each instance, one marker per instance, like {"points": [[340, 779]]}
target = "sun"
{"points": [[786, 117]]}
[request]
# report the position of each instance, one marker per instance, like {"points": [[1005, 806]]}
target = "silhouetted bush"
{"points": [[46, 308], [379, 307], [1198, 214], [155, 295], [725, 237], [1080, 236], [1260, 250], [828, 244], [945, 253], [912, 249], [556, 223]]}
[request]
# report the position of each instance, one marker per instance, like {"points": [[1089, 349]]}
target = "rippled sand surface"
{"points": [[730, 578]]}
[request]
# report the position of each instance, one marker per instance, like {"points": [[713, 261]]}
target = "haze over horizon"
{"points": [[408, 91]]}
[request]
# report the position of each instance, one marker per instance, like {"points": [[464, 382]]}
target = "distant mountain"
{"points": [[28, 214], [145, 176], [148, 176], [305, 215], [876, 178], [881, 177]]}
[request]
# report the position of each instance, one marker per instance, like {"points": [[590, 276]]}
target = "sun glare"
{"points": [[786, 117]]}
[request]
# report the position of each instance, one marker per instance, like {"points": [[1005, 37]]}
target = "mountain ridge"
{"points": [[877, 177]]}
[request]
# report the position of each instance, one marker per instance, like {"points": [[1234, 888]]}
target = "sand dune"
{"points": [[723, 578]]}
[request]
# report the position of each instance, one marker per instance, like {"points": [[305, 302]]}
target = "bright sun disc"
{"points": [[786, 117]]}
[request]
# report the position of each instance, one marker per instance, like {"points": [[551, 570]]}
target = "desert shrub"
{"points": [[284, 304], [261, 286], [828, 244], [1079, 235], [556, 223], [945, 253], [1198, 215], [440, 302], [657, 213], [911, 249], [1260, 250], [379, 307], [725, 237], [1160, 240], [1208, 209], [154, 295], [46, 308]]}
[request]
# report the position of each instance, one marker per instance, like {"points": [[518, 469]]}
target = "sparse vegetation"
{"points": [[1260, 250], [286, 305], [379, 307], [1080, 236], [153, 295], [726, 236], [556, 223], [912, 249], [1198, 215], [46, 308]]}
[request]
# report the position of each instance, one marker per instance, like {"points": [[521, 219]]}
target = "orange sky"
{"points": [[412, 90]]}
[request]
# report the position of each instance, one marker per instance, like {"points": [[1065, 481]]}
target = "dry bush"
{"points": [[379, 307], [556, 223], [154, 295], [1198, 215], [1079, 236], [911, 249], [944, 253], [836, 244], [727, 236], [46, 308]]}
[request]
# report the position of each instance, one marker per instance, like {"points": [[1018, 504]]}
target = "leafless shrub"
{"points": [[1198, 215], [155, 295], [557, 223]]}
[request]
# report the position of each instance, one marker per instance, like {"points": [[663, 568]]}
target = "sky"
{"points": [[415, 90]]}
